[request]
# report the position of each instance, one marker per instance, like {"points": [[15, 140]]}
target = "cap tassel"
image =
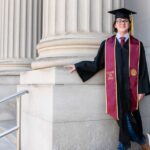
{"points": [[132, 25]]}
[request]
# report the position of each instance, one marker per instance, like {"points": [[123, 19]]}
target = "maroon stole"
{"points": [[111, 78]]}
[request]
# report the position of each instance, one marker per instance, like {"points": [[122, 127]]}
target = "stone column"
{"points": [[20, 31], [73, 30]]}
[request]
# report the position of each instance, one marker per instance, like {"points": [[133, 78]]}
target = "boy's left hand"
{"points": [[141, 96]]}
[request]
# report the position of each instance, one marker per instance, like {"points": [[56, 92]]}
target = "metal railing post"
{"points": [[18, 135]]}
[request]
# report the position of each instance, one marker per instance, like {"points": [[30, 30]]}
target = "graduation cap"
{"points": [[126, 14], [122, 13]]}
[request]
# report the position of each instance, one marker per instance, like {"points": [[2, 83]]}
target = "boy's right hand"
{"points": [[70, 68]]}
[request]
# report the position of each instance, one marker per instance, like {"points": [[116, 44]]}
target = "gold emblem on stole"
{"points": [[110, 75], [133, 72]]}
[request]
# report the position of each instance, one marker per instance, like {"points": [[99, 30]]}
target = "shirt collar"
{"points": [[118, 36]]}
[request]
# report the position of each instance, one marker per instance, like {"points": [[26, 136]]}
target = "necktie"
{"points": [[122, 41]]}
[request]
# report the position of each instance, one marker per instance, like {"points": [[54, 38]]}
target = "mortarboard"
{"points": [[124, 13]]}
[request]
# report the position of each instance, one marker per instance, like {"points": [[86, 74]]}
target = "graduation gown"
{"points": [[87, 69]]}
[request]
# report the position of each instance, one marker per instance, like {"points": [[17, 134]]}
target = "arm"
{"points": [[144, 84], [86, 69]]}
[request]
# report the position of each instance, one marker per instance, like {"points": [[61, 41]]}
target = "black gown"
{"points": [[87, 69]]}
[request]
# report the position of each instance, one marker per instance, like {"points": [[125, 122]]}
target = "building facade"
{"points": [[37, 39]]}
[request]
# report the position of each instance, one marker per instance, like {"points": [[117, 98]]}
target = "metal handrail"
{"points": [[17, 127], [8, 98], [9, 131]]}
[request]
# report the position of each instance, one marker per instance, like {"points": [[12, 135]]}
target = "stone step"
{"points": [[5, 144], [8, 142]]}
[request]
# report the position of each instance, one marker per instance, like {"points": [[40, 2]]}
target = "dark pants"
{"points": [[133, 135]]}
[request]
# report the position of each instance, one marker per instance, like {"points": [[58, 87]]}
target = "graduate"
{"points": [[126, 76]]}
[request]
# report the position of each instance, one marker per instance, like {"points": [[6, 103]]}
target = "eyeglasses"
{"points": [[122, 21]]}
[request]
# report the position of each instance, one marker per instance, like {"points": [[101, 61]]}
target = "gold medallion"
{"points": [[133, 72]]}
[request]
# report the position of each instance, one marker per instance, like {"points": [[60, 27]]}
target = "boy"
{"points": [[126, 78]]}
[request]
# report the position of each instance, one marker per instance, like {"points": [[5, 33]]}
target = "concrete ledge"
{"points": [[58, 75]]}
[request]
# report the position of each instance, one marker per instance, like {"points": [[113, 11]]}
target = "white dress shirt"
{"points": [[118, 37]]}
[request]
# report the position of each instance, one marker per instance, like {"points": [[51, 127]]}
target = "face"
{"points": [[122, 25]]}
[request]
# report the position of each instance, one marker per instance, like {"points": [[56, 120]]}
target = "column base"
{"points": [[67, 49], [14, 66]]}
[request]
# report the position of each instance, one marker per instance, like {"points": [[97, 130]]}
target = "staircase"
{"points": [[10, 129], [8, 142]]}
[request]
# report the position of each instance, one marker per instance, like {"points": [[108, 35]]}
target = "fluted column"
{"points": [[73, 29], [20, 31]]}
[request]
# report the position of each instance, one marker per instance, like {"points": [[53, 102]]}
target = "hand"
{"points": [[140, 96], [70, 68]]}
